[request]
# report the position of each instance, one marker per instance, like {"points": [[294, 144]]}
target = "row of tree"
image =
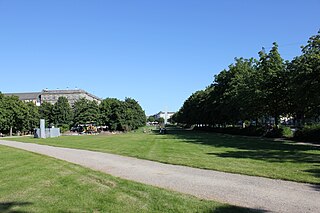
{"points": [[152, 118], [253, 89], [16, 115]]}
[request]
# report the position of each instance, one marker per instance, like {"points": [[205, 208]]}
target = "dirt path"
{"points": [[248, 191]]}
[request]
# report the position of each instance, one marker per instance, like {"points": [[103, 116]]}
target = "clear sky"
{"points": [[155, 51]]}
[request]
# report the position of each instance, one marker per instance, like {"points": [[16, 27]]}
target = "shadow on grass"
{"points": [[256, 148], [7, 207], [272, 156], [232, 209], [239, 142], [252, 147], [316, 173]]}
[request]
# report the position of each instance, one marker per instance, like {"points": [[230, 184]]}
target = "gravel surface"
{"points": [[247, 191]]}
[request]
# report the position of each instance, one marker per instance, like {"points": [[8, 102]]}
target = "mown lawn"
{"points": [[236, 154], [34, 183]]}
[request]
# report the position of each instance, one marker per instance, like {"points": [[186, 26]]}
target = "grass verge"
{"points": [[34, 183], [237, 154]]}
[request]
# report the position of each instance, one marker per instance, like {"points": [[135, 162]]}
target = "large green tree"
{"points": [[62, 112], [273, 83], [31, 117], [46, 112], [85, 111], [305, 82], [13, 114], [122, 115], [135, 116], [3, 113], [112, 113]]}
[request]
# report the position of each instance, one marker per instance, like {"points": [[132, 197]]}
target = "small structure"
{"points": [[165, 115], [43, 132]]}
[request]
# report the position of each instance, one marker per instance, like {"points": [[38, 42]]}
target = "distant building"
{"points": [[34, 97], [51, 96], [163, 115]]}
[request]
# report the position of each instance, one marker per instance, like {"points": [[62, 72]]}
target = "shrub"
{"points": [[308, 134], [287, 132], [251, 131], [274, 133], [64, 128], [248, 131]]}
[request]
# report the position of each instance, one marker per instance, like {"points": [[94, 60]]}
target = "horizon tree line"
{"points": [[19, 116], [255, 90]]}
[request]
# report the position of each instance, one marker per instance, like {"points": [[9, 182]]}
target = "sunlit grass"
{"points": [[34, 183], [236, 154]]}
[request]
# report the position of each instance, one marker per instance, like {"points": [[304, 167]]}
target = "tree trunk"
{"points": [[276, 120], [11, 131], [300, 120]]}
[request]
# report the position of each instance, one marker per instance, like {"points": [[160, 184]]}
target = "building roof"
{"points": [[34, 95], [25, 95], [64, 91], [164, 113], [69, 91]]}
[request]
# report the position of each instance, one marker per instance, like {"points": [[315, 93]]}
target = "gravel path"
{"points": [[247, 191]]}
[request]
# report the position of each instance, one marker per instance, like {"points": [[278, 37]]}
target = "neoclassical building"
{"points": [[51, 96]]}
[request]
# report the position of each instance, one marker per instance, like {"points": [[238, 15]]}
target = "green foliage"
{"points": [[308, 133], [273, 83], [305, 81], [151, 119], [122, 115], [257, 90], [64, 128], [160, 120], [135, 116], [112, 113], [32, 117], [3, 112], [85, 111], [62, 113], [287, 132], [46, 112], [16, 115]]}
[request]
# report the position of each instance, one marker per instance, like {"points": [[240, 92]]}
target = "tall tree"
{"points": [[85, 111], [135, 116], [122, 115], [305, 84], [112, 113], [62, 112], [3, 113], [46, 112], [31, 117], [14, 113], [273, 83]]}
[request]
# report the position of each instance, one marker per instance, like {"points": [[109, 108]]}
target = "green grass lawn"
{"points": [[34, 183], [236, 154]]}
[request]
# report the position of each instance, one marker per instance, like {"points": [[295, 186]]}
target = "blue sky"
{"points": [[157, 52]]}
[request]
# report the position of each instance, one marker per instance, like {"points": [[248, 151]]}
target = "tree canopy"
{"points": [[122, 115], [85, 111], [62, 113], [259, 90], [16, 115]]}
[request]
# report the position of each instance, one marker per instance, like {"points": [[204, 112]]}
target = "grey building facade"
{"points": [[51, 96]]}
